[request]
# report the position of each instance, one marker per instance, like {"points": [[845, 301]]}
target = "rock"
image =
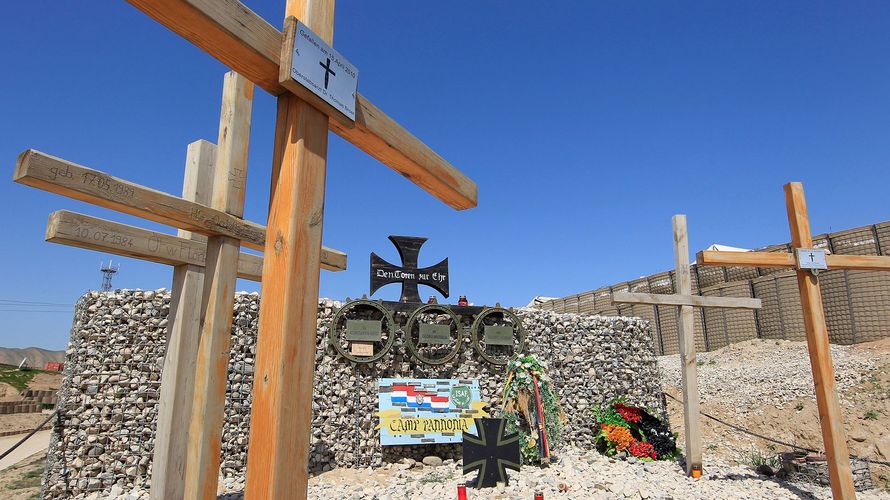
{"points": [[432, 461], [765, 470]]}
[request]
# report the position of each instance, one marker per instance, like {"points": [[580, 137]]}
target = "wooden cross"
{"points": [[285, 363], [830, 418], [197, 333], [688, 366]]}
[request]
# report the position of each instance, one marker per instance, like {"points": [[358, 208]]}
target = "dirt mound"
{"points": [[766, 387]]}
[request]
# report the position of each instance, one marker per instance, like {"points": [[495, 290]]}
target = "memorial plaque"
{"points": [[363, 330], [427, 411], [498, 335], [435, 334], [810, 258], [324, 71], [361, 348]]}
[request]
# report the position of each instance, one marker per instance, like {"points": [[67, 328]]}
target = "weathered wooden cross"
{"points": [[282, 393], [196, 333], [807, 267], [688, 366]]}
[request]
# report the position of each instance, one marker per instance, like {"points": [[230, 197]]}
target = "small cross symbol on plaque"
{"points": [[327, 72], [812, 257]]}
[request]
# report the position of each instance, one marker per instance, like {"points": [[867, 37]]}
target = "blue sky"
{"points": [[586, 125]]}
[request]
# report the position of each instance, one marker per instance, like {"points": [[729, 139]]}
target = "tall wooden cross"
{"points": [[807, 267], [282, 392], [688, 366]]}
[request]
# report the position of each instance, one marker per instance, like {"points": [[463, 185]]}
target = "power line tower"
{"points": [[108, 273]]}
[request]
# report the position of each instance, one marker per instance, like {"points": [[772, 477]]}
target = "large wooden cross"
{"points": [[688, 367], [830, 417], [282, 392], [192, 388]]}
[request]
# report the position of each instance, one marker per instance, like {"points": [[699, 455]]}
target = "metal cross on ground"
{"points": [[491, 452], [830, 417], [409, 275], [688, 367]]}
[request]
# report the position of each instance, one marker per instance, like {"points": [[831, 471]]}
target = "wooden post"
{"points": [[183, 333], [830, 418], [205, 429], [688, 366], [281, 416]]}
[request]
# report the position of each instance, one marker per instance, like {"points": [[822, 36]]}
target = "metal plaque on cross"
{"points": [[408, 274]]}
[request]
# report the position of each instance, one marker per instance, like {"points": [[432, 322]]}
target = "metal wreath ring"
{"points": [[387, 315], [478, 323], [413, 348]]}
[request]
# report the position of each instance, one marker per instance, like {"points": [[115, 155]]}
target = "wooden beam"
{"points": [[685, 300], [787, 260], [863, 262], [281, 416], [183, 334], [69, 179], [830, 418], [688, 365], [245, 42], [753, 259], [208, 407], [92, 233]]}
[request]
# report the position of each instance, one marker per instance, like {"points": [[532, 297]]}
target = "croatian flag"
{"points": [[417, 399]]}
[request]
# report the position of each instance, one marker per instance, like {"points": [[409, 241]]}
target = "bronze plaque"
{"points": [[435, 334], [363, 330], [498, 335]]}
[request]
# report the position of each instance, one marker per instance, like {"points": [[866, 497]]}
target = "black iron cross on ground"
{"points": [[327, 72], [384, 273], [492, 452]]}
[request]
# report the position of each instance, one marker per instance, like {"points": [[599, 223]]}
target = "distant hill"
{"points": [[37, 357]]}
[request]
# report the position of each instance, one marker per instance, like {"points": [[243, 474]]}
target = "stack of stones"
{"points": [[104, 435]]}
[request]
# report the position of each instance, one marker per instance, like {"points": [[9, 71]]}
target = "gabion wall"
{"points": [[104, 435]]}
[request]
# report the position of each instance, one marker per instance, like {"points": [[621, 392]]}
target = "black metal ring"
{"points": [[478, 323], [387, 315], [413, 348]]}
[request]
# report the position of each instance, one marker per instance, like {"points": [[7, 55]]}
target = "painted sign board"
{"points": [[324, 71], [427, 411]]}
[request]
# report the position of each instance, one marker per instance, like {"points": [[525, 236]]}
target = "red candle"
{"points": [[461, 492]]}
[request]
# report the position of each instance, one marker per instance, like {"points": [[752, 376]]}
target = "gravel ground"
{"points": [[755, 373], [578, 475]]}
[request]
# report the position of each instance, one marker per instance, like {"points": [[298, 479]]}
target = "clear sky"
{"points": [[586, 125]]}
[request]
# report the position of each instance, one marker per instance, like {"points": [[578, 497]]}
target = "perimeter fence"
{"points": [[857, 303]]}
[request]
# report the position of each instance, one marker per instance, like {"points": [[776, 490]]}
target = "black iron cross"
{"points": [[492, 452], [327, 72], [384, 273]]}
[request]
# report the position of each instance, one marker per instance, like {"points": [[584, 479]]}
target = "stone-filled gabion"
{"points": [[104, 435]]}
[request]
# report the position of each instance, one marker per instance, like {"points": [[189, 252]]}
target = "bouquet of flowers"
{"points": [[532, 410], [633, 431]]}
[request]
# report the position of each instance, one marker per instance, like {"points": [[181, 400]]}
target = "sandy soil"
{"points": [[22, 481], [9, 393], [866, 409], [21, 422], [45, 381]]}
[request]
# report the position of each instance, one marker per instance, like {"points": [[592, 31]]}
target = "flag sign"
{"points": [[427, 411]]}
